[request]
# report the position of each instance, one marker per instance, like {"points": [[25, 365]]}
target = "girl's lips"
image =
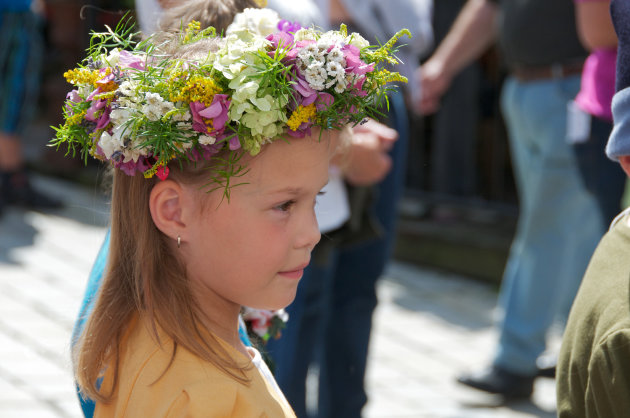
{"points": [[293, 274]]}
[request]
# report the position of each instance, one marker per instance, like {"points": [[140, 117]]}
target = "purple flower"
{"points": [[303, 130], [286, 26], [129, 168]]}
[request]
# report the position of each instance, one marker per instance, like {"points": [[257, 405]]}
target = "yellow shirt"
{"points": [[191, 387]]}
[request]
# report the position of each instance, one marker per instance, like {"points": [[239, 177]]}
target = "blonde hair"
{"points": [[143, 276]]}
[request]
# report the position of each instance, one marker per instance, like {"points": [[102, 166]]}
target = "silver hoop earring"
{"points": [[179, 241]]}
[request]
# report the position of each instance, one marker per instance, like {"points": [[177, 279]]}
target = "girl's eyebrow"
{"points": [[293, 191]]}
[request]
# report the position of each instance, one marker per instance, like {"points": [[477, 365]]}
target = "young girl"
{"points": [[220, 147]]}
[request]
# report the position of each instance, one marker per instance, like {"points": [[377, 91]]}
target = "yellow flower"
{"points": [[196, 89], [105, 87], [300, 115], [76, 118], [81, 76], [191, 30]]}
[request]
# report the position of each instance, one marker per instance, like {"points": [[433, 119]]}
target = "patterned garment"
{"points": [[20, 68]]}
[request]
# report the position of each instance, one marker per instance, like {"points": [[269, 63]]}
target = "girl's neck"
{"points": [[224, 324]]}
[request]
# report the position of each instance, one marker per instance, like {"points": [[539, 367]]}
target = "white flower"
{"points": [[119, 116], [316, 75], [263, 103], [206, 139], [109, 144], [237, 109], [335, 55], [308, 52], [153, 98], [335, 69], [261, 22], [329, 39], [340, 88], [238, 53], [180, 116], [357, 40], [128, 87], [305, 34], [152, 112], [166, 107], [185, 144], [113, 58], [132, 153]]}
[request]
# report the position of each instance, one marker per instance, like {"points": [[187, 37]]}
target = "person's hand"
{"points": [[434, 80], [366, 161]]}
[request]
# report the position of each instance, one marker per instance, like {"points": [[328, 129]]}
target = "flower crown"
{"points": [[138, 108]]}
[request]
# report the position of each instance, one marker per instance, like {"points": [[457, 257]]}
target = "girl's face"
{"points": [[253, 249]]}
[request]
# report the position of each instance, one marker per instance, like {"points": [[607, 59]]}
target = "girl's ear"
{"points": [[166, 203]]}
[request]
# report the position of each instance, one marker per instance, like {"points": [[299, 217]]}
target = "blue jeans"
{"points": [[559, 223], [602, 177], [331, 317]]}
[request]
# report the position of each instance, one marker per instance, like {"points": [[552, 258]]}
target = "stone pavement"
{"points": [[428, 327]]}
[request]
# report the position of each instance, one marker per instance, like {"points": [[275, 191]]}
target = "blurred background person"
{"points": [[21, 52], [593, 367], [590, 116], [559, 223], [331, 318]]}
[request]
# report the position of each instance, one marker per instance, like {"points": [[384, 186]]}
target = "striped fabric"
{"points": [[20, 67]]}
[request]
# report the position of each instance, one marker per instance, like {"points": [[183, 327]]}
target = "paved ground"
{"points": [[428, 327]]}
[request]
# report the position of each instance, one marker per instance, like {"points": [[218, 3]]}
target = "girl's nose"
{"points": [[309, 233]]}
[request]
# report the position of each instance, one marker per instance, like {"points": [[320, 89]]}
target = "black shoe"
{"points": [[548, 371], [501, 382], [16, 189]]}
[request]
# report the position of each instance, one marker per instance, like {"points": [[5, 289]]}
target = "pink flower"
{"points": [[324, 101], [128, 60], [259, 319], [72, 96], [354, 64], [281, 40], [106, 79], [162, 172], [359, 86], [103, 121], [94, 108], [216, 113], [302, 130], [235, 143], [301, 86]]}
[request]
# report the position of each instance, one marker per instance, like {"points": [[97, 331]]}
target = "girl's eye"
{"points": [[284, 207]]}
